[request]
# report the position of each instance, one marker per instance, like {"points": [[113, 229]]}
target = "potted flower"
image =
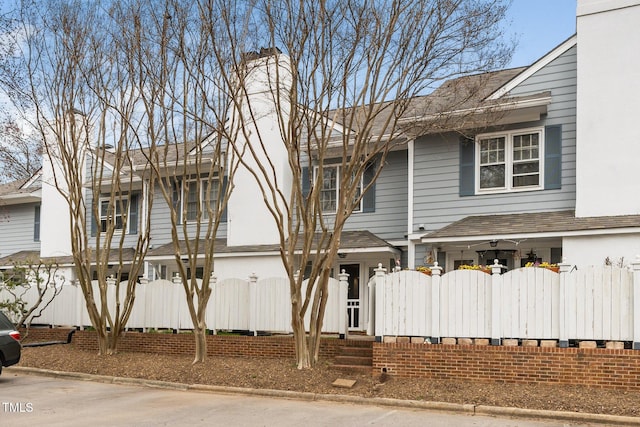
{"points": [[424, 270], [482, 268], [548, 266]]}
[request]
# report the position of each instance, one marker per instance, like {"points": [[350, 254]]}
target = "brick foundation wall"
{"points": [[180, 344], [603, 368], [597, 367]]}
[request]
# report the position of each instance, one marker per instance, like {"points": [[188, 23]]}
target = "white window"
{"points": [[510, 161], [115, 212], [205, 194], [330, 191]]}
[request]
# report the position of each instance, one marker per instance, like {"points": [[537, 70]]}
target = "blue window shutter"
{"points": [[369, 198], [36, 224], [223, 217], [133, 213], [553, 157], [175, 199], [306, 183], [467, 167]]}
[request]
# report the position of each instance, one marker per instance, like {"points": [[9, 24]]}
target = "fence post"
{"points": [[213, 284], [436, 277], [636, 303], [379, 308], [497, 283], [253, 303], [563, 329], [342, 303]]}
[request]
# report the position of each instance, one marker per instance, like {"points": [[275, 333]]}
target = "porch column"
{"points": [[343, 322], [253, 303], [636, 303], [436, 272], [377, 303], [211, 307], [496, 303], [563, 323]]}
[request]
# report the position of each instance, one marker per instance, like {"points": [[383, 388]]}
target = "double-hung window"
{"points": [[114, 211], [330, 191], [202, 193], [510, 161]]}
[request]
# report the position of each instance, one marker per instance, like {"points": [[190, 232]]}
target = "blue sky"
{"points": [[539, 26]]}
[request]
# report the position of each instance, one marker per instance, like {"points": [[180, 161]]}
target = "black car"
{"points": [[10, 347]]}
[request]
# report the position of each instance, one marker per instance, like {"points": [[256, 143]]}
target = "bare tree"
{"points": [[42, 278], [347, 74], [86, 114], [20, 149], [20, 153], [186, 107]]}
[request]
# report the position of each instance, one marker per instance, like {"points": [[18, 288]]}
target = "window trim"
{"points": [[124, 215], [338, 167], [183, 197], [509, 162]]}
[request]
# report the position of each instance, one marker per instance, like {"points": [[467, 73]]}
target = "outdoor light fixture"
{"points": [[493, 243]]}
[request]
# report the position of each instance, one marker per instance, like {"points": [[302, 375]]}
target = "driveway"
{"points": [[29, 400]]}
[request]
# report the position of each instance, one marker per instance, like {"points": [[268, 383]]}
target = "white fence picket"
{"points": [[595, 303]]}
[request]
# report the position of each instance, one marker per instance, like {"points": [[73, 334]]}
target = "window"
{"points": [[36, 224], [510, 161], [205, 194], [114, 213], [330, 191]]}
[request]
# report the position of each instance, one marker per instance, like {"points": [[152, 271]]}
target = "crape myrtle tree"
{"points": [[20, 149], [346, 76], [28, 288], [186, 106], [86, 113]]}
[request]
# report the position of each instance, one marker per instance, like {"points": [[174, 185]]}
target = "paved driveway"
{"points": [[30, 400]]}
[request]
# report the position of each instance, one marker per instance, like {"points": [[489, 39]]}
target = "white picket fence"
{"points": [[592, 303], [235, 304]]}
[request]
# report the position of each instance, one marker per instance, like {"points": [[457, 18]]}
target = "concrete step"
{"points": [[356, 351], [353, 369], [354, 360]]}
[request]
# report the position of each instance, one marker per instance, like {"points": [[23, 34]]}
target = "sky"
{"points": [[539, 26]]}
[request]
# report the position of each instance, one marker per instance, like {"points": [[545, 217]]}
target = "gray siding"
{"points": [[389, 220], [161, 222], [437, 202], [16, 229]]}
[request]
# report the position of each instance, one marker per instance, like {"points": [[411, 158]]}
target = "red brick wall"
{"points": [[217, 345], [616, 369], [605, 368]]}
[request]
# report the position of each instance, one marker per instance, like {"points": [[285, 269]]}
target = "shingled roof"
{"points": [[350, 240], [558, 223]]}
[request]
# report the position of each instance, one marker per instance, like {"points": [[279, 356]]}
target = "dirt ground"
{"points": [[281, 374]]}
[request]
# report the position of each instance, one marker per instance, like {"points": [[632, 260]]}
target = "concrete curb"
{"points": [[468, 409]]}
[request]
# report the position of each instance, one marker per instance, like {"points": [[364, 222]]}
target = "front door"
{"points": [[353, 297]]}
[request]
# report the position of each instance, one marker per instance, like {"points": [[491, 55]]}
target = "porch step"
{"points": [[355, 358]]}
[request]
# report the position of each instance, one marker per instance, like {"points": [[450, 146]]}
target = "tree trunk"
{"points": [[200, 335], [113, 339], [103, 341], [299, 335]]}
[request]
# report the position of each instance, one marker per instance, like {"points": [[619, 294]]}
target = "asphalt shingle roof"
{"points": [[527, 223], [348, 240]]}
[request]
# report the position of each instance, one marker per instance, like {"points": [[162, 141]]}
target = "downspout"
{"points": [[411, 247]]}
